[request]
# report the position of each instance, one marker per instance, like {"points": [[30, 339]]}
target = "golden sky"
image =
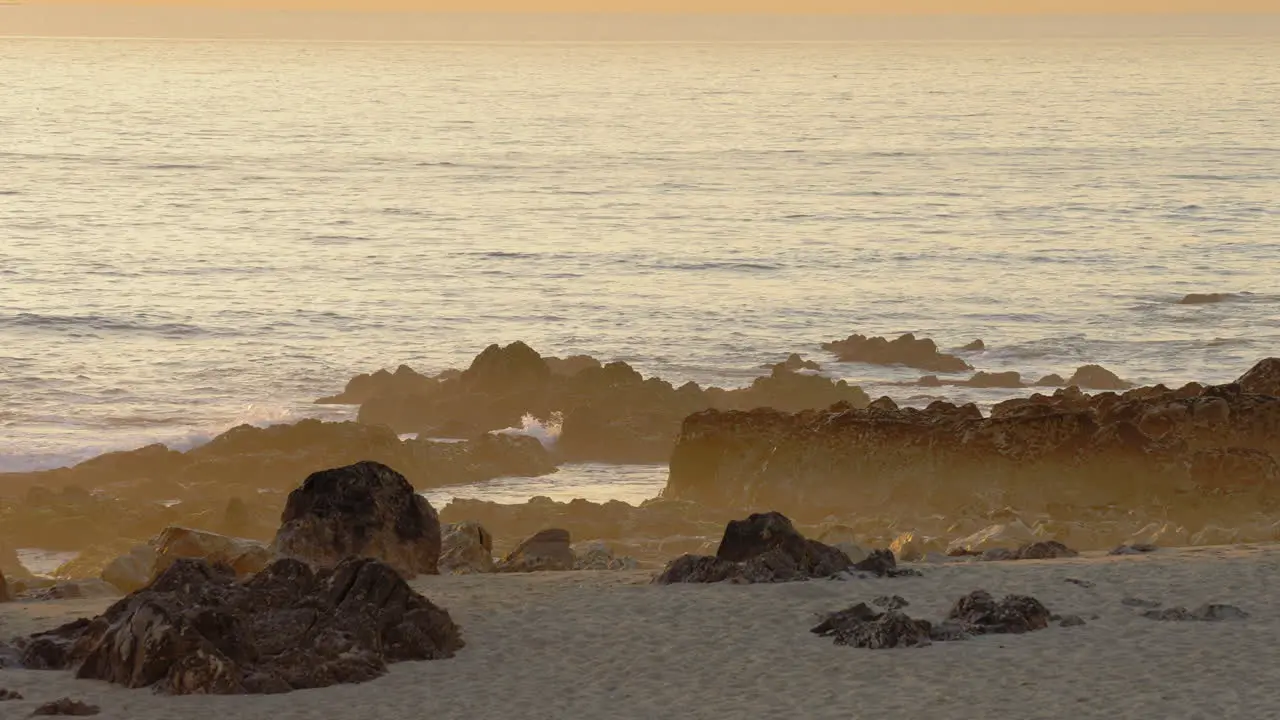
{"points": [[886, 7]]}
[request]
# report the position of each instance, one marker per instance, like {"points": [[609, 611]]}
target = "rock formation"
{"points": [[611, 412], [1213, 612], [1262, 379], [977, 613], [1206, 298], [546, 550], [906, 350], [366, 510], [860, 626], [234, 485], [765, 547], [1096, 377], [196, 630], [466, 548], [1184, 455], [66, 706]]}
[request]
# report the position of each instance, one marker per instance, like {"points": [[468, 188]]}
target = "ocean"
{"points": [[196, 234]]}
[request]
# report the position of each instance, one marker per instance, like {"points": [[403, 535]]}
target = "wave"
{"points": [[98, 323], [547, 433]]}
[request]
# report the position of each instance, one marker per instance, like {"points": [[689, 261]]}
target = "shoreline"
{"points": [[595, 644]]}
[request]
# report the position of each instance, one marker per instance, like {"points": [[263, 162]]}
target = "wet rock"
{"points": [[196, 630], [1212, 612], [1262, 379], [85, 589], [548, 550], [975, 346], [893, 629], [1097, 377], [6, 694], [66, 706], [1071, 621], [1087, 584], [1140, 602], [51, 650], [1044, 550], [365, 510], [466, 548], [5, 596], [905, 350], [979, 613], [404, 381], [1051, 380]]}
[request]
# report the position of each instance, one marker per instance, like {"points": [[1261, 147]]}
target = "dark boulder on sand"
{"points": [[195, 630], [765, 547], [979, 613], [364, 510]]}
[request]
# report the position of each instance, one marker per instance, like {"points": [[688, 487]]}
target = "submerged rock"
{"points": [[195, 630], [1206, 298], [365, 510], [1097, 377]]}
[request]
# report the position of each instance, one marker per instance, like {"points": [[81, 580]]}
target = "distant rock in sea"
{"points": [[905, 350]]}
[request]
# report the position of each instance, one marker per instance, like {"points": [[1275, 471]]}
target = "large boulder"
{"points": [[133, 570], [1097, 377], [1262, 379], [979, 613], [365, 510], [546, 550], [765, 547], [466, 548], [196, 630]]}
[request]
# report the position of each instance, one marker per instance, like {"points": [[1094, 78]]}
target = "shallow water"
{"points": [[197, 234]]}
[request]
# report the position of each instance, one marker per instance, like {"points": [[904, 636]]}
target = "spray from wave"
{"points": [[547, 432]]}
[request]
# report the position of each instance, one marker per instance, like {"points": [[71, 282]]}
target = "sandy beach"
{"points": [[608, 644]]}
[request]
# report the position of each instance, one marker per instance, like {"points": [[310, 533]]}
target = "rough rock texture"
{"points": [[1212, 612], [66, 706], [546, 550], [765, 547], [1043, 550], [84, 589], [234, 486], [466, 548], [7, 694], [596, 555], [610, 412], [906, 350], [979, 613], [1262, 379], [367, 510], [861, 626], [197, 630], [795, 363], [133, 570], [1199, 457]]}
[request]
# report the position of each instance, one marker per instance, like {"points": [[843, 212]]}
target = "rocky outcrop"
{"points": [[654, 531], [244, 557], [1262, 379], [1206, 298], [405, 380], [1212, 612], [906, 350], [236, 484], [5, 596], [979, 613], [1181, 454], [547, 550], [365, 510], [596, 555], [765, 547], [466, 549], [611, 413], [196, 630], [794, 363]]}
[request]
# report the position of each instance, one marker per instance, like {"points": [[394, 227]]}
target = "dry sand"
{"points": [[608, 645]]}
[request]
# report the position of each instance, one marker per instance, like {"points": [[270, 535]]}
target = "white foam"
{"points": [[546, 433]]}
